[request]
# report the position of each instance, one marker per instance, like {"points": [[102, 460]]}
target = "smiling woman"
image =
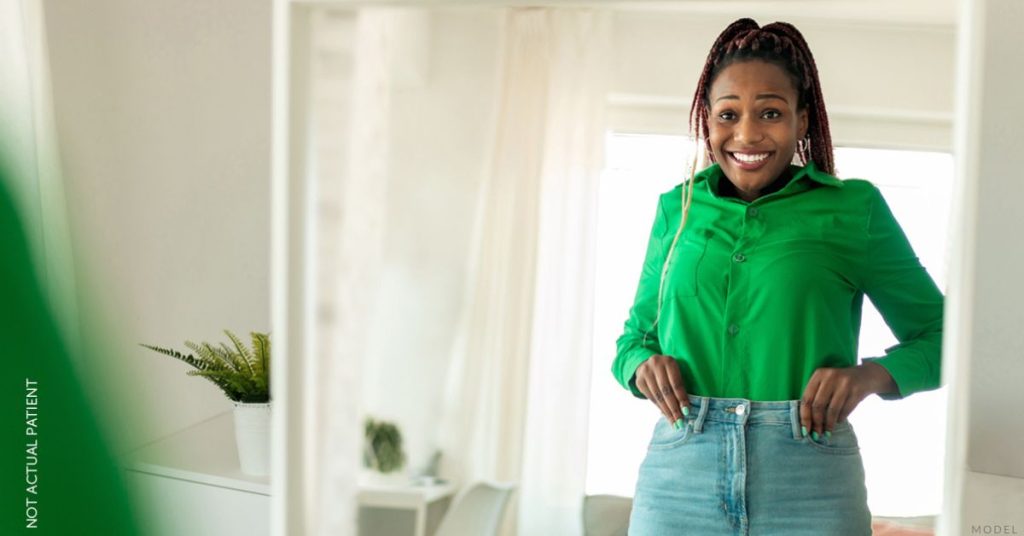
{"points": [[744, 327], [756, 119]]}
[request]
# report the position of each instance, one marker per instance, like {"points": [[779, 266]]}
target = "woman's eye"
{"points": [[726, 116], [771, 114]]}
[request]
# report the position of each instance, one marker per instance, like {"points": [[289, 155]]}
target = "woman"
{"points": [[744, 328]]}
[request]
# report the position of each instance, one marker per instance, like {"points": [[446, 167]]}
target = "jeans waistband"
{"points": [[742, 411]]}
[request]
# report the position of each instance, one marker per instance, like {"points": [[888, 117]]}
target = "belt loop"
{"points": [[794, 417], [698, 423]]}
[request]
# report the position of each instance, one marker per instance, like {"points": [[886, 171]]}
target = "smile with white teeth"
{"points": [[750, 158]]}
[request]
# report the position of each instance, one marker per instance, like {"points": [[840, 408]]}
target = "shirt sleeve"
{"points": [[639, 339], [909, 301]]}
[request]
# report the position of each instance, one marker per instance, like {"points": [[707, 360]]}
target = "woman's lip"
{"points": [[749, 166]]}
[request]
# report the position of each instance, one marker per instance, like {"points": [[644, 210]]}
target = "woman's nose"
{"points": [[748, 131]]}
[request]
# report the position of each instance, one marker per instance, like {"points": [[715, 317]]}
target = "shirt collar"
{"points": [[713, 174], [820, 176]]}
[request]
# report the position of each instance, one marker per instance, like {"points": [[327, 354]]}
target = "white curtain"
{"points": [[350, 86], [515, 400], [28, 148]]}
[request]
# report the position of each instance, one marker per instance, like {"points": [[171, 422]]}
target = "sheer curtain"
{"points": [[28, 145], [351, 83], [515, 399]]}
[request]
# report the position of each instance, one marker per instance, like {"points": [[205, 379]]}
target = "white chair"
{"points": [[606, 515], [477, 510]]}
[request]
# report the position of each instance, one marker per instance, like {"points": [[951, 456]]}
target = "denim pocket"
{"points": [[666, 436], [843, 440]]}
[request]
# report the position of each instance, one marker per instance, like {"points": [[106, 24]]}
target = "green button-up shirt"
{"points": [[758, 295]]}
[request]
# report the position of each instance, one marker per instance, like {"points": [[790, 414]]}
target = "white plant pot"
{"points": [[252, 436]]}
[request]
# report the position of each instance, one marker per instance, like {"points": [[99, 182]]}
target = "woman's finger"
{"points": [[819, 407], [858, 389], [806, 404], [662, 373], [647, 383], [675, 377], [835, 407]]}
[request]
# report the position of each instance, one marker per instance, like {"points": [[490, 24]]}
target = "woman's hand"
{"points": [[832, 393], [659, 379]]}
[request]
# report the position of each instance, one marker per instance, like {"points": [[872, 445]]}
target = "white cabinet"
{"points": [[190, 484]]}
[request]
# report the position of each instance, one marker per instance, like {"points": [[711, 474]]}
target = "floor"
{"points": [[903, 526]]}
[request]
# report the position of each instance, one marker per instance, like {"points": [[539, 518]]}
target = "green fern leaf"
{"points": [[244, 352], [241, 373], [190, 359]]}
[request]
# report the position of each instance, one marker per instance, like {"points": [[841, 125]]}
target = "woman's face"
{"points": [[754, 124]]}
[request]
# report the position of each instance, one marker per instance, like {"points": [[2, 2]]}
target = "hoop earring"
{"points": [[803, 147]]}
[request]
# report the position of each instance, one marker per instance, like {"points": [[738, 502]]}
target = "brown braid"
{"points": [[782, 44]]}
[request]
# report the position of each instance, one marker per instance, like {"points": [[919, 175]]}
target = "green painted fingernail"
{"points": [[686, 411], [803, 430], [814, 434], [678, 424], [828, 434]]}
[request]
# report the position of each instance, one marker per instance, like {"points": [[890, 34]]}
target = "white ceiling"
{"points": [[912, 12], [939, 13]]}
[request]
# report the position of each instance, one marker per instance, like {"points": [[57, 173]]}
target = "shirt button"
{"points": [[739, 257], [752, 212], [733, 329]]}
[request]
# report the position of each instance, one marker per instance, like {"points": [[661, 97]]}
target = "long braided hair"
{"points": [[779, 43]]}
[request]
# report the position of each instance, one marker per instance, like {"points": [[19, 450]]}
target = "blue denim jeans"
{"points": [[741, 467]]}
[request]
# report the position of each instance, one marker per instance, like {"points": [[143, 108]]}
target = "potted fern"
{"points": [[243, 374]]}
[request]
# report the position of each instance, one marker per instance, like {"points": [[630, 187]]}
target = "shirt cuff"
{"points": [[634, 363], [894, 371]]}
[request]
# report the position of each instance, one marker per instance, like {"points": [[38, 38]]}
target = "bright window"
{"points": [[902, 442]]}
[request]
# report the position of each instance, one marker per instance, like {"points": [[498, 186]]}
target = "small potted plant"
{"points": [[243, 374], [383, 455]]}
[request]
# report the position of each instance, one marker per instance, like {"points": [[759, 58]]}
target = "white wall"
{"points": [[163, 117], [884, 86]]}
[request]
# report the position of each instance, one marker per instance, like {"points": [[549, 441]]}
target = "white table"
{"points": [[419, 499]]}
